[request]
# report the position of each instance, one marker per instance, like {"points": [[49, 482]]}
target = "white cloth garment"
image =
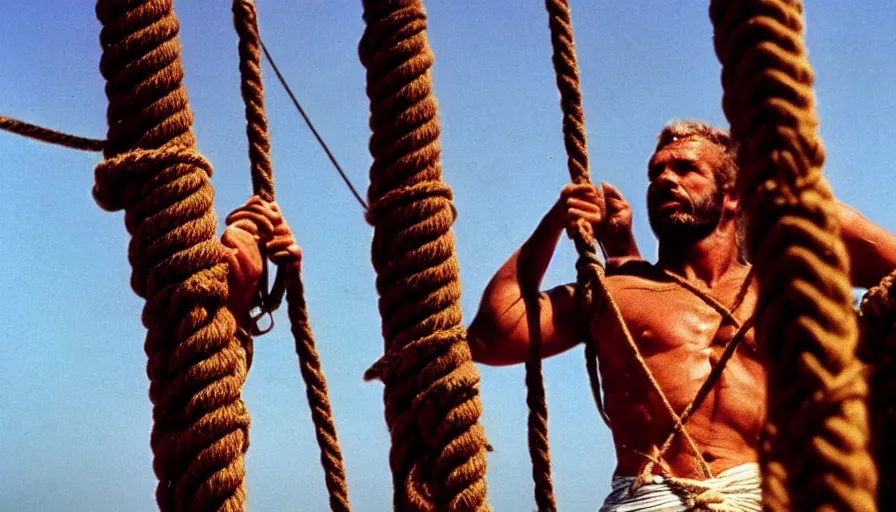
{"points": [[737, 489]]}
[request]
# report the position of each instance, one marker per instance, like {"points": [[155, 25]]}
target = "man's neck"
{"points": [[707, 260]]}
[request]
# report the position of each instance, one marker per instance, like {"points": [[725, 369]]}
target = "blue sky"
{"points": [[74, 411]]}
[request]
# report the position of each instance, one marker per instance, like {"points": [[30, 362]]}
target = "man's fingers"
{"points": [[581, 204], [610, 191], [256, 214], [579, 190], [588, 215], [239, 235], [616, 204], [282, 249]]}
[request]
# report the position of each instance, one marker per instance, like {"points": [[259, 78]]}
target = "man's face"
{"points": [[684, 199]]}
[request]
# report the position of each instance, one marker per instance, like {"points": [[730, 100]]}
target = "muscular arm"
{"points": [[499, 334], [872, 249]]}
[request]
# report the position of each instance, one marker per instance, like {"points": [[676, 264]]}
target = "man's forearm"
{"points": [[492, 332], [535, 254]]}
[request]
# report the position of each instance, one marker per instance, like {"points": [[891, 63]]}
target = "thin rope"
{"points": [[715, 374], [431, 392], [308, 122], [814, 447], [49, 136], [288, 264]]}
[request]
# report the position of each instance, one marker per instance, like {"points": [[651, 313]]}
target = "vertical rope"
{"points": [[814, 449], [245, 21], [590, 277], [431, 385], [252, 90], [567, 72], [196, 365]]}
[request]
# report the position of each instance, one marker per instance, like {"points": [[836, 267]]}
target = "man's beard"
{"points": [[691, 221]]}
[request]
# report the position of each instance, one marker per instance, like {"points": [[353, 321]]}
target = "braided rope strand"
{"points": [[816, 436], [316, 390], [590, 277], [251, 87]]}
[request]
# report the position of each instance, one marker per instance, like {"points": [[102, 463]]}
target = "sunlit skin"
{"points": [[256, 222], [679, 335]]}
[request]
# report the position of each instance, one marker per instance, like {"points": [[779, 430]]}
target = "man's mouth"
{"points": [[670, 203]]}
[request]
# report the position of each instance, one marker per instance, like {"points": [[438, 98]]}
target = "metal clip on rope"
{"points": [[266, 301]]}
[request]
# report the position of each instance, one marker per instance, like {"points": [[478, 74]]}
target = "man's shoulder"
{"points": [[624, 273], [617, 268]]}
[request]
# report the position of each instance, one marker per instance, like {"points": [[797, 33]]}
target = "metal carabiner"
{"points": [[266, 301]]}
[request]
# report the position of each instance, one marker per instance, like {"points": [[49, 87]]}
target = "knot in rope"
{"points": [[196, 365], [697, 496], [119, 180], [420, 201], [402, 363]]}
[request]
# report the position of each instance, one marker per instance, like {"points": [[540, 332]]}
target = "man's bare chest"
{"points": [[665, 317]]}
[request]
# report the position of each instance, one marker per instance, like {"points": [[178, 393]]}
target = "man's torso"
{"points": [[680, 338]]}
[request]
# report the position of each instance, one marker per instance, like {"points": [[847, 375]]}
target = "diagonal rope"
{"points": [[814, 448], [715, 374], [49, 136], [310, 125]]}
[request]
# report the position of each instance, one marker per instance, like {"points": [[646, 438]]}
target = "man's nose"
{"points": [[670, 174], [666, 180]]}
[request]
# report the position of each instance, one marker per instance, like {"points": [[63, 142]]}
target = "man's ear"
{"points": [[731, 202]]}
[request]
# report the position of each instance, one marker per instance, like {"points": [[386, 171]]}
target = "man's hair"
{"points": [[691, 129]]}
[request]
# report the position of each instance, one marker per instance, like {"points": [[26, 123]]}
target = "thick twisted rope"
{"points": [[289, 268], [196, 365], [590, 278], [814, 450], [878, 349], [431, 385], [49, 136]]}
